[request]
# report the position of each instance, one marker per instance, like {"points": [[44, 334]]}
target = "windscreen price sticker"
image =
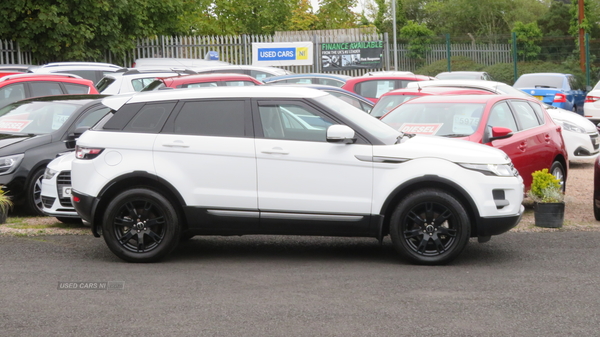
{"points": [[13, 125], [421, 129]]}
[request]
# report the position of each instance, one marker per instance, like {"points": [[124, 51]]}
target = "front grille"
{"points": [[48, 201], [594, 139], [63, 180]]}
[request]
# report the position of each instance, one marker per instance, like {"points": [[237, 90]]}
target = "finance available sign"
{"points": [[282, 54], [351, 55]]}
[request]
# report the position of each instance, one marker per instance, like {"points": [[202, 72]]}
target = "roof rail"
{"points": [[10, 77], [143, 71], [57, 64]]}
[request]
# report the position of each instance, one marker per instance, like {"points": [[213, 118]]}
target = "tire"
{"points": [[141, 225], [558, 170], [74, 221], [186, 237], [33, 196], [596, 211], [430, 227]]}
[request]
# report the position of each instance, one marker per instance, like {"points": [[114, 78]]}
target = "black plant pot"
{"points": [[549, 215]]}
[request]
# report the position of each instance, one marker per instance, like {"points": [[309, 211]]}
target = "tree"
{"points": [[337, 14], [302, 17], [84, 29], [418, 37], [528, 38]]}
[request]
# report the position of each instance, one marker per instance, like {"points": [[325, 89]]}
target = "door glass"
{"points": [[293, 122], [525, 114], [76, 89], [502, 116], [212, 118], [11, 93], [45, 89]]}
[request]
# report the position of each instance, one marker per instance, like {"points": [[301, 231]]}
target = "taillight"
{"points": [[591, 99], [560, 98], [87, 152]]}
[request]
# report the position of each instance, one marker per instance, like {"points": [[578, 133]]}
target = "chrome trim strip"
{"points": [[381, 159], [239, 214], [312, 217]]}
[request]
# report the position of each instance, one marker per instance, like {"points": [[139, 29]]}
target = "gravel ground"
{"points": [[579, 214]]}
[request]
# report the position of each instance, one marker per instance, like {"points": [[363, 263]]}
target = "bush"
{"points": [[545, 187], [457, 63]]}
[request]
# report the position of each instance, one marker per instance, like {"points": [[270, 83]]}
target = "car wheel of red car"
{"points": [[596, 211], [558, 171]]}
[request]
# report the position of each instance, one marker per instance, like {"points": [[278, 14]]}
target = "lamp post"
{"points": [[582, 59], [394, 32]]}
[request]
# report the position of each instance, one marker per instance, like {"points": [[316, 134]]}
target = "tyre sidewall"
{"points": [[172, 233], [430, 195], [29, 198]]}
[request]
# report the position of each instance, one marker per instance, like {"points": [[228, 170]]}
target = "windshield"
{"points": [[440, 119], [372, 125], [459, 76], [387, 103], [35, 117], [540, 81]]}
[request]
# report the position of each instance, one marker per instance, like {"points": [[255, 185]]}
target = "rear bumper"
{"points": [[85, 205]]}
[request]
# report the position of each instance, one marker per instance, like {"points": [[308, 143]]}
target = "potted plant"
{"points": [[548, 197]]}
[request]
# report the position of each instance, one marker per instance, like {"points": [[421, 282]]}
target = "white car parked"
{"points": [[591, 107], [56, 189], [133, 80], [580, 135], [230, 161]]}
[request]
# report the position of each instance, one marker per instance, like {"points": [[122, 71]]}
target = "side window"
{"points": [[200, 85], [538, 111], [375, 88], [525, 114], [76, 89], [92, 117], [328, 81], [403, 83], [502, 116], [238, 83], [259, 75], [12, 93], [212, 118], [140, 83], [45, 88], [292, 122], [150, 119]]}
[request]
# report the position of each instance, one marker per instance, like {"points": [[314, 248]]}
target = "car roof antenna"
{"points": [[418, 86]]}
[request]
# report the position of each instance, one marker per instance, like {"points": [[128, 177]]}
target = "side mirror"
{"points": [[499, 132], [340, 134], [72, 137]]}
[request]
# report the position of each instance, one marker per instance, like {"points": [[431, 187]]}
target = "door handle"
{"points": [[547, 138], [522, 146], [275, 150], [176, 143]]}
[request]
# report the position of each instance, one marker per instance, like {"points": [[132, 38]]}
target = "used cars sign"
{"points": [[282, 54]]}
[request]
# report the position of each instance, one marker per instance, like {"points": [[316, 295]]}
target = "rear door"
{"points": [[207, 150]]}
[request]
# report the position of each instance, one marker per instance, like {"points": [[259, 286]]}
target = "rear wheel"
{"points": [[596, 210], [430, 227], [558, 171], [141, 225], [33, 192]]}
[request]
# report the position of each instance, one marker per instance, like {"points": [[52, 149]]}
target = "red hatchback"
{"points": [[373, 85], [392, 99], [20, 86], [203, 80], [519, 126]]}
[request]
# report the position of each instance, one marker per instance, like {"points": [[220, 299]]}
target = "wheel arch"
{"points": [[138, 179], [429, 181]]}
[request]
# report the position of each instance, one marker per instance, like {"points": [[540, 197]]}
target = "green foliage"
{"points": [[545, 187], [556, 20], [85, 29], [457, 63], [418, 37], [336, 14], [6, 203], [528, 38]]}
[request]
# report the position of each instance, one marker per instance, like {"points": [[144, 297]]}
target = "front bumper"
{"points": [[497, 225]]}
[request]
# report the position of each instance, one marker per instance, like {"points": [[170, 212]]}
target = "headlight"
{"points": [[9, 163], [570, 126], [500, 170], [49, 173]]}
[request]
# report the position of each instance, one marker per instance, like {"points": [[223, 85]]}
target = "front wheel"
{"points": [[141, 225], [33, 195], [430, 227]]}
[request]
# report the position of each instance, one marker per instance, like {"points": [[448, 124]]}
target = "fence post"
{"points": [[448, 55], [514, 43], [386, 51], [587, 60], [316, 53]]}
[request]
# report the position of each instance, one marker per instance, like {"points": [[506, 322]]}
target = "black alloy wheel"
{"points": [[430, 227], [140, 225]]}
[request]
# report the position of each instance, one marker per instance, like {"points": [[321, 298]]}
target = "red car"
{"points": [[597, 188], [203, 80], [392, 99], [20, 86], [373, 85], [519, 126]]}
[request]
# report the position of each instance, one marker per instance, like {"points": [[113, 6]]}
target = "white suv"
{"points": [[277, 160]]}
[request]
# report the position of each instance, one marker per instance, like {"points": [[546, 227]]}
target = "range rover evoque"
{"points": [[269, 160]]}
